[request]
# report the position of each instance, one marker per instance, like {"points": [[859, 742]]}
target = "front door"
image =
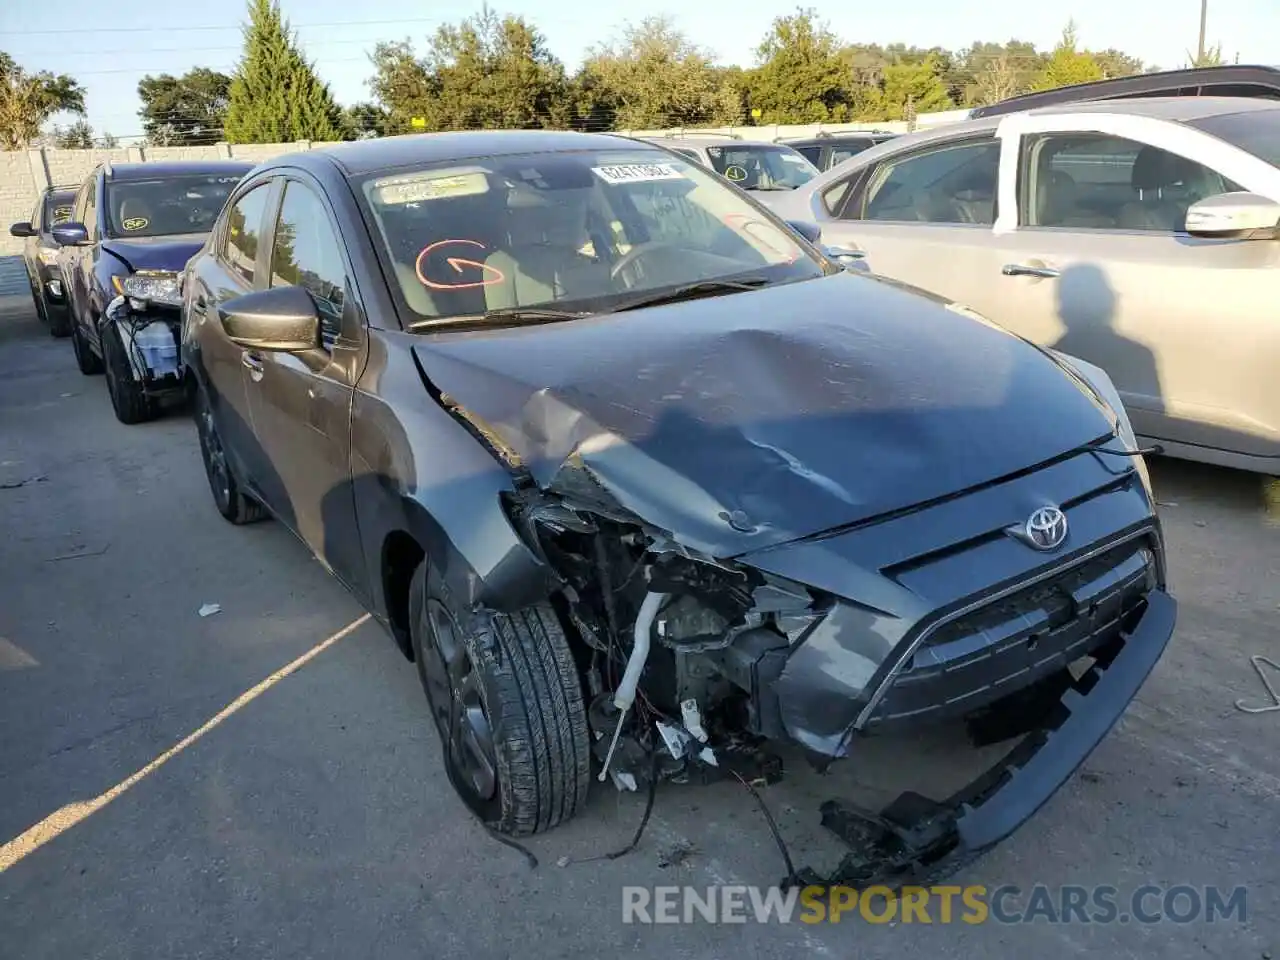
{"points": [[234, 269], [925, 218], [300, 403]]}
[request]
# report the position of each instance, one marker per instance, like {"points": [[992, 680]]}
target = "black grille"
{"points": [[1017, 640]]}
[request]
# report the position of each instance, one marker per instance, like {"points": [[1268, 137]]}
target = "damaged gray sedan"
{"points": [[650, 489]]}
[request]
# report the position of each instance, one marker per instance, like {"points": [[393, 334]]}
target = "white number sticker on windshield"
{"points": [[637, 172]]}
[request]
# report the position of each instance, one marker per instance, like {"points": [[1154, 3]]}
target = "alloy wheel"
{"points": [[453, 691]]}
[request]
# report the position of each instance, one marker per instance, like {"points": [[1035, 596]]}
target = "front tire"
{"points": [[87, 361], [507, 703], [59, 321], [235, 506], [128, 398]]}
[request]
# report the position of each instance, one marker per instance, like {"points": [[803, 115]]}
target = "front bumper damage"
{"points": [[917, 840], [149, 335]]}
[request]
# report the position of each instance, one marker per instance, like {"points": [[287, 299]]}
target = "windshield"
{"points": [[762, 167], [584, 231], [1254, 131], [157, 208]]}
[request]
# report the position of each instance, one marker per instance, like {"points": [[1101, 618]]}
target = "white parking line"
{"points": [[63, 820]]}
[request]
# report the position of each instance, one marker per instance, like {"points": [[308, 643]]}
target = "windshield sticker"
{"points": [[136, 223], [637, 172], [418, 188], [455, 273], [61, 214], [735, 173]]}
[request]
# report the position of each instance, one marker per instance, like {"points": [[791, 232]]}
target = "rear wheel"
{"points": [[507, 703], [128, 398], [86, 360], [236, 507], [59, 320]]}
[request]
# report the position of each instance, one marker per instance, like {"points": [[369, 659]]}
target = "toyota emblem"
{"points": [[1046, 528]]}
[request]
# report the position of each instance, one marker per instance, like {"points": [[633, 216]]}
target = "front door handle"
{"points": [[1037, 270], [253, 363]]}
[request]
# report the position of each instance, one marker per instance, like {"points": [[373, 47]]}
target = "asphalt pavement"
{"points": [[312, 820]]}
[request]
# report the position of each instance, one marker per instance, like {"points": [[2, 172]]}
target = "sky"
{"points": [[109, 46]]}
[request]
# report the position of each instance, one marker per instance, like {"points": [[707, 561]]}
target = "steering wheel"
{"points": [[635, 253]]}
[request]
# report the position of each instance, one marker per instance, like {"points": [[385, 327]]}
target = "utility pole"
{"points": [[1204, 16]]}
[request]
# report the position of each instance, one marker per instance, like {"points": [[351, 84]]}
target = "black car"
{"points": [[827, 149], [40, 256], [1228, 80], [131, 231], [648, 487]]}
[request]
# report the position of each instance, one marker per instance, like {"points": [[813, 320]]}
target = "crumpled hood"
{"points": [[747, 420], [156, 253]]}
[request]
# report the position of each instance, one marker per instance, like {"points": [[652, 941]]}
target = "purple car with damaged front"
{"points": [[649, 489]]}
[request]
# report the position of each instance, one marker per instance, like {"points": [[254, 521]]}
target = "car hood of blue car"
{"points": [[156, 253]]}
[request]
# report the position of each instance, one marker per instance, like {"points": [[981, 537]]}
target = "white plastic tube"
{"points": [[626, 692]]}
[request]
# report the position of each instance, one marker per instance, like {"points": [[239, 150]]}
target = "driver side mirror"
{"points": [[23, 229], [810, 231], [1234, 216], [283, 319], [70, 234]]}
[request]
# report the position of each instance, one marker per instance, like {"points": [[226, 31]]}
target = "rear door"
{"points": [[233, 265], [1096, 262], [300, 402]]}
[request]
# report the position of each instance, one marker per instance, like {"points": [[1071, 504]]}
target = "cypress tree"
{"points": [[275, 95]]}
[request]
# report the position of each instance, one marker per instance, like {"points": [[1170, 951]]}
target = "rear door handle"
{"points": [[1039, 271]]}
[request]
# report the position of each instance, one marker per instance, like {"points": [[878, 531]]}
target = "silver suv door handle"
{"points": [[1028, 270]]}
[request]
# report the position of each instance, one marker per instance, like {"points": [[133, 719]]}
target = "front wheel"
{"points": [[505, 696], [128, 398], [235, 506]]}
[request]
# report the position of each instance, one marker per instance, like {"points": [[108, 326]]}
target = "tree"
{"points": [[800, 77], [495, 72], [1116, 63], [78, 136], [908, 89], [401, 85], [275, 95], [190, 109], [653, 76], [365, 120], [1212, 57], [28, 100], [989, 72], [1068, 65]]}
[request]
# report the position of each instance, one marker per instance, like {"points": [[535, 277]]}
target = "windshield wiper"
{"points": [[501, 317], [689, 291]]}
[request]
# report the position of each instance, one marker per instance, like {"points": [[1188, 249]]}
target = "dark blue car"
{"points": [[133, 227]]}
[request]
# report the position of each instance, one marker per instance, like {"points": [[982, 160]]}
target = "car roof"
{"points": [[834, 138], [359, 157], [1264, 81], [152, 170], [710, 140], [1179, 109]]}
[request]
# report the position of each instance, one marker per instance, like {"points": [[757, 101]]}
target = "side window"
{"points": [[1102, 182], [91, 208], [847, 150], [952, 183], [37, 215], [244, 221], [307, 253], [812, 154], [82, 196]]}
